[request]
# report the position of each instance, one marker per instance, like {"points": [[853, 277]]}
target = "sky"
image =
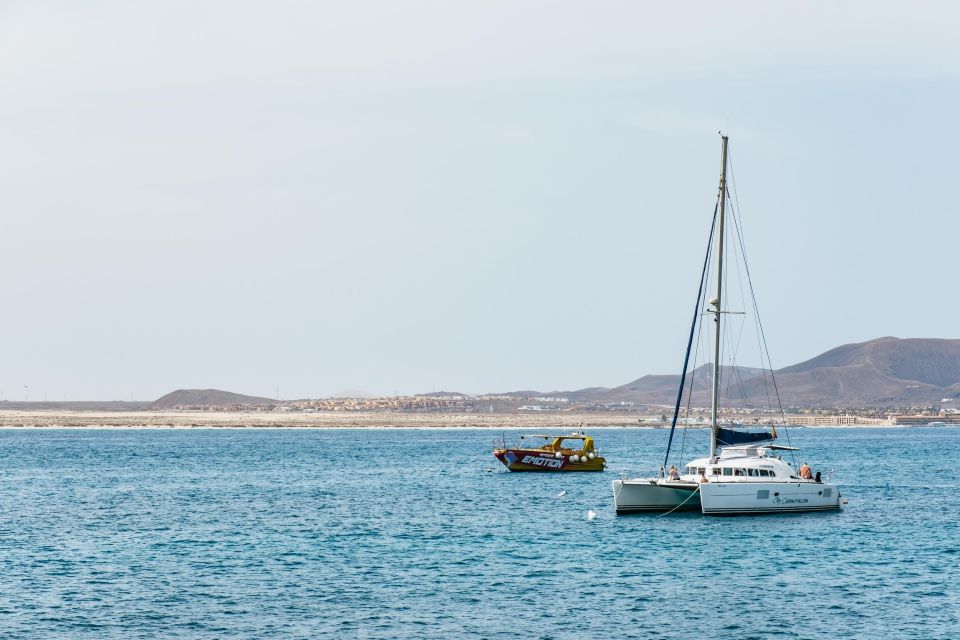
{"points": [[398, 197]]}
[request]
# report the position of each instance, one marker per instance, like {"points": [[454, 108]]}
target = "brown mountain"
{"points": [[882, 372], [662, 389], [205, 398]]}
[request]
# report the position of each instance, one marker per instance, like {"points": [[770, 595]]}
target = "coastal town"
{"points": [[946, 412]]}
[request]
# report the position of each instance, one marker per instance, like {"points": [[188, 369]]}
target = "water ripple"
{"points": [[403, 534]]}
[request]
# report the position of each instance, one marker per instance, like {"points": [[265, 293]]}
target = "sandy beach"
{"points": [[330, 419]]}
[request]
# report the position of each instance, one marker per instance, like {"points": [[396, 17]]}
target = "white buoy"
{"points": [[591, 515], [558, 455], [591, 456], [561, 494], [574, 458]]}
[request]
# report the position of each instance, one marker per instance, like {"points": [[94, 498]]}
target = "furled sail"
{"points": [[730, 438]]}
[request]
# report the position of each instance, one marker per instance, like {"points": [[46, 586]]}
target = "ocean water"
{"points": [[413, 534]]}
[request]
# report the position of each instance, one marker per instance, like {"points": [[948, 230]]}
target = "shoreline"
{"points": [[295, 420], [48, 419]]}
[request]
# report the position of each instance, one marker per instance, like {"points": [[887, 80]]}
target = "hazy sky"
{"points": [[402, 196]]}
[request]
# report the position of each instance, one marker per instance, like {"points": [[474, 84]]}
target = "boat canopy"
{"points": [[562, 443], [730, 438]]}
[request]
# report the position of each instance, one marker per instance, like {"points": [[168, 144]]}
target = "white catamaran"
{"points": [[744, 472]]}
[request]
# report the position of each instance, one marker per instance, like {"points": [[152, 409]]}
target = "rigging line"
{"points": [[701, 338], [704, 337], [721, 336], [691, 383], [733, 215], [737, 374], [734, 376], [726, 341], [756, 310], [731, 375], [693, 325], [683, 442], [762, 340], [739, 371], [763, 335], [725, 283], [692, 493], [763, 368], [691, 388]]}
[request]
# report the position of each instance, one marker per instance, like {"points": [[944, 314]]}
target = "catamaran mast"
{"points": [[715, 395]]}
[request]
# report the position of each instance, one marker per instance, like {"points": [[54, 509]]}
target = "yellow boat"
{"points": [[555, 454]]}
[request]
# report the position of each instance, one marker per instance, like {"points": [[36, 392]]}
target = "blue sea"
{"points": [[394, 533]]}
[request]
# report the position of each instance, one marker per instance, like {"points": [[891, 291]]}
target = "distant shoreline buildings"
{"points": [[650, 415]]}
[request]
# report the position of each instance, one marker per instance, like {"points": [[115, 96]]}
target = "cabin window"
{"points": [[716, 471], [702, 470], [751, 472], [738, 472], [764, 473], [727, 471]]}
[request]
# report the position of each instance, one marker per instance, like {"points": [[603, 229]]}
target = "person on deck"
{"points": [[805, 472], [674, 474], [703, 477]]}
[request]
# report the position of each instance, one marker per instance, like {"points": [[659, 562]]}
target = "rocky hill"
{"points": [[206, 398], [881, 372], [664, 387]]}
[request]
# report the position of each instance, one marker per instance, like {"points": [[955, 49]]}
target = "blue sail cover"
{"points": [[729, 437]]}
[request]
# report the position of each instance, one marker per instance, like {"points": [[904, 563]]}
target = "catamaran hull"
{"points": [[751, 498], [646, 496]]}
